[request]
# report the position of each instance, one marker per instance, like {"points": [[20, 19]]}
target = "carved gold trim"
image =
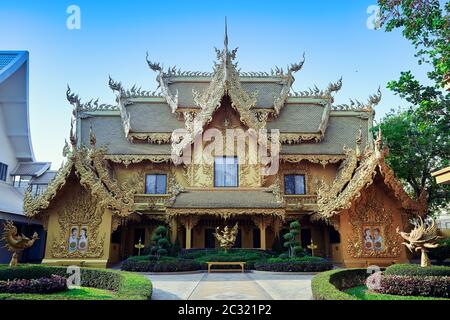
{"points": [[80, 210], [128, 159], [323, 159], [154, 138], [294, 138], [226, 212], [370, 212]]}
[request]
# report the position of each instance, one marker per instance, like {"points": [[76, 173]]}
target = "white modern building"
{"points": [[18, 168]]}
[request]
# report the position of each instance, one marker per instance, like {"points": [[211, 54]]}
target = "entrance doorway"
{"points": [[210, 240]]}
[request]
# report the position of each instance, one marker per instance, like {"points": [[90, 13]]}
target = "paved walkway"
{"points": [[228, 286]]}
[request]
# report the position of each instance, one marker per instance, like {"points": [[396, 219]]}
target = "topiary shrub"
{"points": [[160, 242], [417, 270], [293, 245], [424, 286], [41, 285]]}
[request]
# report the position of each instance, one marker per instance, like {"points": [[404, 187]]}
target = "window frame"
{"points": [[304, 183], [155, 174], [237, 171]]}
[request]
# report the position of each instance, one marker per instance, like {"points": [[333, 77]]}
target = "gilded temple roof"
{"points": [[227, 199]]}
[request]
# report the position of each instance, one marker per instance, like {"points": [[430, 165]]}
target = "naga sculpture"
{"points": [[227, 237], [16, 243], [421, 238]]}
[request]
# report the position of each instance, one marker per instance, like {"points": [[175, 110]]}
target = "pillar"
{"points": [[262, 231], [188, 236], [173, 230]]}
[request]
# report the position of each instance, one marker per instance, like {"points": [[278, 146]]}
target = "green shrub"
{"points": [[414, 286], [127, 286], [287, 259], [40, 285], [293, 245], [292, 265], [162, 265], [328, 285], [417, 270], [160, 242], [250, 257], [442, 252]]}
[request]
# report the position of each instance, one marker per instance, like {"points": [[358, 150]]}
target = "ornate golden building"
{"points": [[141, 162]]}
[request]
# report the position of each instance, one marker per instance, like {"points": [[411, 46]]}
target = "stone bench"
{"points": [[224, 263]]}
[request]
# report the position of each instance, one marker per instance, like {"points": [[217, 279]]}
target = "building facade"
{"points": [[216, 148], [18, 168]]}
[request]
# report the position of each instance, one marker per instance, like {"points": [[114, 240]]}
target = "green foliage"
{"points": [[425, 24], [361, 293], [303, 259], [419, 137], [329, 285], [418, 144], [417, 270], [442, 252], [295, 264], [291, 243], [165, 264], [126, 286], [72, 294], [277, 246], [412, 285], [250, 257], [160, 242]]}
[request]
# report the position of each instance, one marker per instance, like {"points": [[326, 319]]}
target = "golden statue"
{"points": [[421, 238], [16, 243], [227, 237]]}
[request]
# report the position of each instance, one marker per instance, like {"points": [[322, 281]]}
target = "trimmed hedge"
{"points": [[415, 270], [161, 266], [41, 285], [302, 264], [328, 285], [250, 257], [438, 287], [127, 286]]}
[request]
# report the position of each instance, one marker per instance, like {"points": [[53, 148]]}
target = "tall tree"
{"points": [[419, 137]]}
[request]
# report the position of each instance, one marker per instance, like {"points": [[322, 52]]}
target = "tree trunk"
{"points": [[424, 260]]}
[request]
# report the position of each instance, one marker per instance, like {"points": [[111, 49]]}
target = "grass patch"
{"points": [[72, 294], [97, 284], [362, 293]]}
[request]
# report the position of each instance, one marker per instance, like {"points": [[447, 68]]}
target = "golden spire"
{"points": [[225, 51]]}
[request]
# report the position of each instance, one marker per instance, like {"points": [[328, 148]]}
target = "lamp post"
{"points": [[312, 246], [139, 246]]}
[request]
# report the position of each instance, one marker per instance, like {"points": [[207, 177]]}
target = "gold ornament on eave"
{"points": [[421, 238], [16, 243], [226, 237]]}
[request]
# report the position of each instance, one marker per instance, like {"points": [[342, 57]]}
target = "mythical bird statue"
{"points": [[421, 238], [16, 243], [227, 237]]}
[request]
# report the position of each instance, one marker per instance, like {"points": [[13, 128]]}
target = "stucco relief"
{"points": [[372, 231], [79, 211]]}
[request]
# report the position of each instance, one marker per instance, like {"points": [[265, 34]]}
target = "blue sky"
{"points": [[115, 35]]}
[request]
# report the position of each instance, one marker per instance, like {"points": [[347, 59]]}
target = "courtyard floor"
{"points": [[230, 286]]}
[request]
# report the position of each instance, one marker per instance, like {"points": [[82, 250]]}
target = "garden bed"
{"points": [[194, 260], [409, 282], [96, 283]]}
